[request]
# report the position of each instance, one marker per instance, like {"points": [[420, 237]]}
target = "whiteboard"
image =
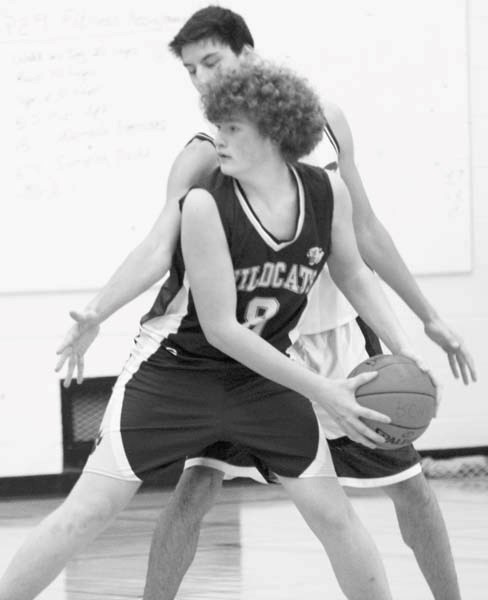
{"points": [[95, 108]]}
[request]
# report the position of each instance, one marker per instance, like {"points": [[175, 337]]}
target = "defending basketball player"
{"points": [[331, 343]]}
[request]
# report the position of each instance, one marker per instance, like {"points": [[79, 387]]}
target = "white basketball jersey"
{"points": [[327, 307]]}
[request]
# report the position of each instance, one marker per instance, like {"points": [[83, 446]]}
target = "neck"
{"points": [[267, 181]]}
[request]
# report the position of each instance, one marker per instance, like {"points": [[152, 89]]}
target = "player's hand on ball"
{"points": [[460, 360], [343, 407], [76, 342], [423, 367]]}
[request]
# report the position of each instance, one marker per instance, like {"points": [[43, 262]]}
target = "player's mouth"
{"points": [[223, 157]]}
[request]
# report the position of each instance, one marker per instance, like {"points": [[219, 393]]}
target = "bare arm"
{"points": [[143, 267], [380, 253], [151, 259], [355, 280], [211, 275]]}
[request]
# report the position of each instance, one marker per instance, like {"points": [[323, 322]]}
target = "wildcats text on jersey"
{"points": [[294, 278]]}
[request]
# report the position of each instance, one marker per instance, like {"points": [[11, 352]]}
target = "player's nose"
{"points": [[203, 77], [219, 140]]}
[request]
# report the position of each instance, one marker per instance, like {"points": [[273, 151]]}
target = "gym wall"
{"points": [[95, 108]]}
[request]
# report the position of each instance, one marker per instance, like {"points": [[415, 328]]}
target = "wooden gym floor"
{"points": [[255, 546]]}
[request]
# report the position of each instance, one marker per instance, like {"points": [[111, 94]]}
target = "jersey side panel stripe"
{"points": [[155, 330]]}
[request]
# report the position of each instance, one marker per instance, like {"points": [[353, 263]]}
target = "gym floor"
{"points": [[255, 546]]}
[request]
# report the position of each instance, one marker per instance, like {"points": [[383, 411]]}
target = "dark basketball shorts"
{"points": [[158, 416], [334, 354]]}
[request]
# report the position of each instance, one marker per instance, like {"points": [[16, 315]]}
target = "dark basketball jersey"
{"points": [[273, 277]]}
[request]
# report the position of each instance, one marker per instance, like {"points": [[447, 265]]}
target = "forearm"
{"points": [[245, 346], [140, 270], [365, 294], [380, 253]]}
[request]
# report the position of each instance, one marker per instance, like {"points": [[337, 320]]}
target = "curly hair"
{"points": [[281, 104]]}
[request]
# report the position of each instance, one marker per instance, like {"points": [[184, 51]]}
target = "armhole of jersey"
{"points": [[203, 137], [332, 138], [331, 198]]}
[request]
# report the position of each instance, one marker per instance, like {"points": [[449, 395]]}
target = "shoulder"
{"points": [[196, 160], [197, 204], [214, 188]]}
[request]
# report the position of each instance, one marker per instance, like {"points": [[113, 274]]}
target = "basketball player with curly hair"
{"points": [[210, 362]]}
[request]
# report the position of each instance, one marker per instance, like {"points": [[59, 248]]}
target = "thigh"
{"points": [[155, 418], [109, 493], [279, 427]]}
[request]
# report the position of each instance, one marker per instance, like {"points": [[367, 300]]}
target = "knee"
{"points": [[333, 519], [412, 494], [197, 490], [415, 506]]}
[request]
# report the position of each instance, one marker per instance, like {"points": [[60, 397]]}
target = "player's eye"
{"points": [[210, 64]]}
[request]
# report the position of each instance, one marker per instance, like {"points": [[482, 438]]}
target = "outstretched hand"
{"points": [[76, 342], [460, 360]]}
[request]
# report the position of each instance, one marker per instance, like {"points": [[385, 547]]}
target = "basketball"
{"points": [[403, 392]]}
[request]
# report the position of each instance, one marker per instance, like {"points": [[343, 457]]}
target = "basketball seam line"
{"points": [[402, 426], [394, 392], [381, 367]]}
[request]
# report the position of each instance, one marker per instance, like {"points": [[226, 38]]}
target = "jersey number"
{"points": [[259, 311]]}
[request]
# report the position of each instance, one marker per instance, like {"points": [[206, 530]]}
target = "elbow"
{"points": [[158, 263], [216, 334]]}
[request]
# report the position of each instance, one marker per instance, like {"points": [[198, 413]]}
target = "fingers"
{"points": [[462, 365], [77, 316], [76, 361], [361, 433], [62, 359], [70, 370], [453, 364], [465, 364], [68, 340], [80, 367], [438, 398], [463, 368], [359, 380], [373, 415], [470, 364], [438, 390]]}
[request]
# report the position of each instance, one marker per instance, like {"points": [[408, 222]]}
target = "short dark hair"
{"points": [[217, 23], [281, 104]]}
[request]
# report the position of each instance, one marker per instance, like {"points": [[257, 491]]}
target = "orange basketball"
{"points": [[403, 392]]}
